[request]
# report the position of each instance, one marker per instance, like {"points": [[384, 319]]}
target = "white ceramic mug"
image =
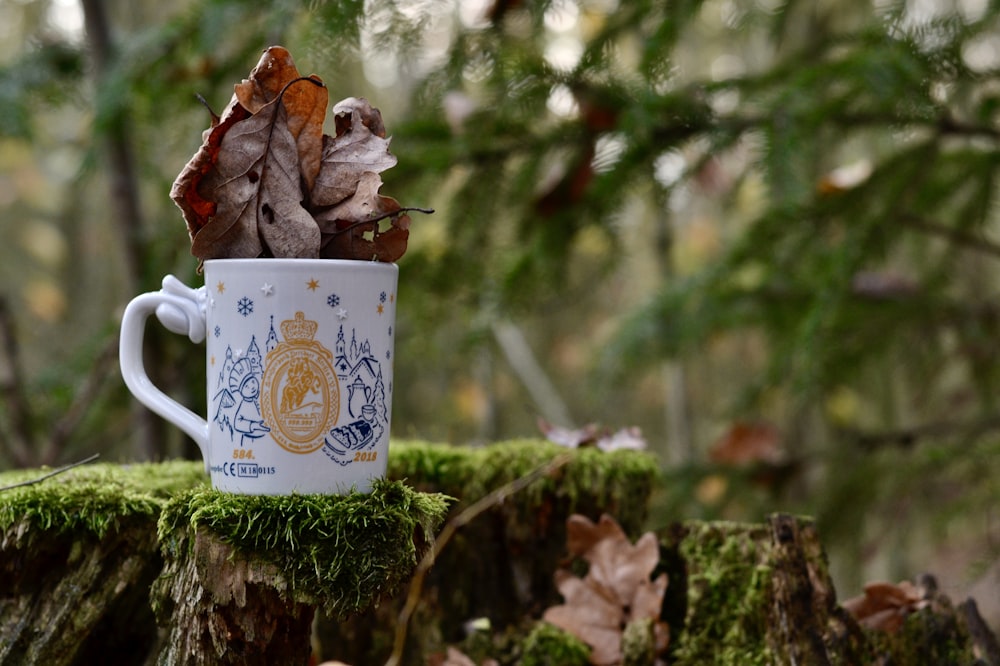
{"points": [[299, 361]]}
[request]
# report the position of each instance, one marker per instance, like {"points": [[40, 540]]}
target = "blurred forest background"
{"points": [[764, 232]]}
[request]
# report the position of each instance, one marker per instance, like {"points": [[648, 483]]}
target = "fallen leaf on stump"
{"points": [[616, 590], [884, 606], [593, 435]]}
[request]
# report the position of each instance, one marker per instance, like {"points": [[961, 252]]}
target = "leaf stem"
{"points": [[379, 218]]}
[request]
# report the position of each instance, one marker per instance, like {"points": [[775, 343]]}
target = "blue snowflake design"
{"points": [[390, 331], [388, 355], [333, 300], [218, 331], [382, 297], [244, 306]]}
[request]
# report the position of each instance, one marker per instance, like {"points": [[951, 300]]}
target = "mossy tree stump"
{"points": [[92, 558], [234, 579], [500, 565], [244, 573], [77, 556]]}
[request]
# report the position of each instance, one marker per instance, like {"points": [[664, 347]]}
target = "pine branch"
{"points": [[956, 236], [909, 437]]}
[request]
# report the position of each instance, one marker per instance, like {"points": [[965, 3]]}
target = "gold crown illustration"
{"points": [[299, 329]]}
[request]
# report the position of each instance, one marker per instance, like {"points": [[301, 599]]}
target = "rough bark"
{"points": [[223, 608], [78, 599]]}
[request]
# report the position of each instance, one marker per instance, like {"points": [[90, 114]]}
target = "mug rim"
{"points": [[301, 261]]}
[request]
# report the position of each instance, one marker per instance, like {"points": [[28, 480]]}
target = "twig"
{"points": [[60, 470], [379, 218], [463, 518], [533, 377]]}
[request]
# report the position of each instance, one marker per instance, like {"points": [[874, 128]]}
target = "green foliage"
{"points": [[805, 271], [45, 76]]}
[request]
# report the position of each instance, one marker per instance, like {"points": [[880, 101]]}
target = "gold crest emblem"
{"points": [[300, 395]]}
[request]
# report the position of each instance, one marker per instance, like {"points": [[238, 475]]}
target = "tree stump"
{"points": [[235, 579], [498, 568], [143, 564]]}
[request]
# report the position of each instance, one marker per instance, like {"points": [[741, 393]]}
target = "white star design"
{"points": [[268, 289], [341, 313], [238, 353]]}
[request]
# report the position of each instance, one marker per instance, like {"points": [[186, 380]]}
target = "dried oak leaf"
{"points": [[616, 590], [267, 181], [359, 147], [243, 188], [195, 208], [884, 606], [746, 443], [255, 183], [305, 106]]}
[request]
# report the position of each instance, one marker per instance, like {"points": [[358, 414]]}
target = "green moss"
{"points": [[548, 645], [728, 587], [638, 643], [93, 498], [343, 552], [618, 481], [932, 635]]}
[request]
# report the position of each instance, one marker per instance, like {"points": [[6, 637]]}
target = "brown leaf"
{"points": [[255, 182], [351, 229], [746, 443], [569, 437], [267, 182], [305, 105], [616, 589], [884, 606], [629, 438], [196, 209], [582, 534], [590, 615], [593, 435], [356, 150], [623, 568], [346, 118], [267, 79]]}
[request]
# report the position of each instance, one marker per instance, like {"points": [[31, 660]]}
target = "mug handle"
{"points": [[181, 310]]}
